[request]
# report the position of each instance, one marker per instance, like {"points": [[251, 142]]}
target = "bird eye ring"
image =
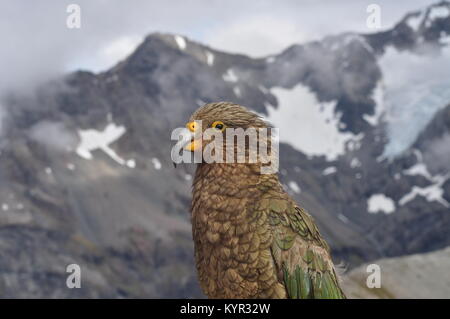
{"points": [[218, 125]]}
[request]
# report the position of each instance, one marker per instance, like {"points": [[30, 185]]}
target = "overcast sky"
{"points": [[38, 45]]}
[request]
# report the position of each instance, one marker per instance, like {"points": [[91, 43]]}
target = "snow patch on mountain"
{"points": [[415, 20], [181, 42], [378, 97], [91, 140], [329, 170], [308, 125], [380, 203], [440, 11], [209, 58], [433, 192], [131, 163], [418, 169], [416, 87], [426, 17], [229, 76], [294, 187], [355, 163], [156, 163]]}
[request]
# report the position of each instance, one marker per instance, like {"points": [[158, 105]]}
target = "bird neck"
{"points": [[231, 180]]}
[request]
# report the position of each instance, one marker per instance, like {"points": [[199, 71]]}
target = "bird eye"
{"points": [[218, 125]]}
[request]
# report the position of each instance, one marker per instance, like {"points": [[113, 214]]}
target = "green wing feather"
{"points": [[300, 253]]}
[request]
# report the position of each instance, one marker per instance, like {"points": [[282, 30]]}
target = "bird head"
{"points": [[220, 116], [225, 132]]}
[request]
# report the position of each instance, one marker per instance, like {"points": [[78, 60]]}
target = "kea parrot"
{"points": [[251, 239]]}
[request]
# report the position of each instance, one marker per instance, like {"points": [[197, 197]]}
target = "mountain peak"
{"points": [[431, 24]]}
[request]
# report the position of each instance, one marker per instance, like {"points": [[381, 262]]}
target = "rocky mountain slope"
{"points": [[419, 276], [86, 175]]}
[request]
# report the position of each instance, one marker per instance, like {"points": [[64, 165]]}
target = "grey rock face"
{"points": [[420, 276]]}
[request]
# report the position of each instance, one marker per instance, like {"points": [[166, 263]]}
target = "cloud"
{"points": [[256, 36], [265, 27], [37, 45], [108, 55], [54, 135]]}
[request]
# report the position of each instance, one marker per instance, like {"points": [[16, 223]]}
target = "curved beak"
{"points": [[194, 143]]}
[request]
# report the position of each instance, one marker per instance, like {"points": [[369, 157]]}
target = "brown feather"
{"points": [[232, 230]]}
